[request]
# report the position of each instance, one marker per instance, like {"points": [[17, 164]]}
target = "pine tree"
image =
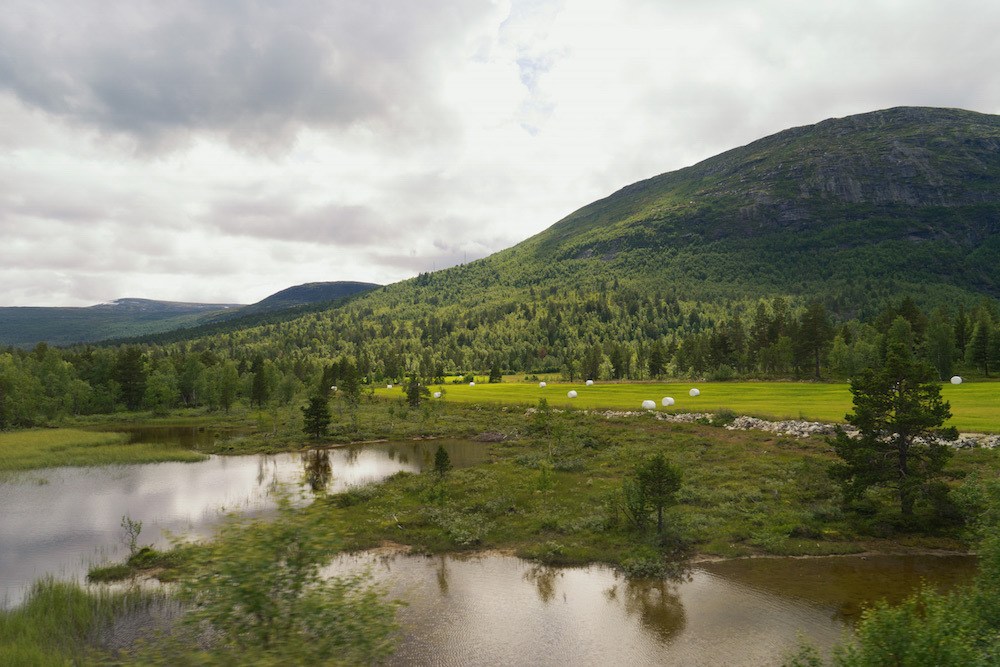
{"points": [[897, 411], [977, 352], [815, 333], [442, 462], [131, 375], [316, 416]]}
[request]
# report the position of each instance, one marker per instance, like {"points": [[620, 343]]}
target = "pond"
{"points": [[499, 610], [60, 521]]}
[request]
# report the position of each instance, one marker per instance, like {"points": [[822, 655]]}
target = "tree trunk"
{"points": [[905, 493]]}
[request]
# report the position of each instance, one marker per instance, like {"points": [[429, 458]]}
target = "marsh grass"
{"points": [[60, 623], [550, 492], [47, 448]]}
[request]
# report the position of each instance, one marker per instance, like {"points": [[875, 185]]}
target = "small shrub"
{"points": [[569, 465], [644, 567], [464, 529], [355, 496], [723, 416]]}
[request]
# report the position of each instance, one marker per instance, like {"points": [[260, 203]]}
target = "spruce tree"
{"points": [[897, 410], [316, 416]]}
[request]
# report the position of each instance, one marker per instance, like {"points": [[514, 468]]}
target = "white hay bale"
{"points": [[388, 386], [648, 405], [472, 384], [590, 383], [667, 401], [437, 394], [956, 379], [694, 392], [541, 385], [571, 394]]}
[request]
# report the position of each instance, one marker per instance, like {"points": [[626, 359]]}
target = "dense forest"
{"points": [[579, 335]]}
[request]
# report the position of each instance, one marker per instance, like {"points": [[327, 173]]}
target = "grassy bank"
{"points": [[47, 448], [58, 624], [975, 405]]}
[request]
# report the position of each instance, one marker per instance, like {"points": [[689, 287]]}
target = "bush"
{"points": [[258, 590], [723, 416]]}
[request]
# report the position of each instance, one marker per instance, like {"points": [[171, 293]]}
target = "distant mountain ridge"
{"points": [[306, 294], [25, 326]]}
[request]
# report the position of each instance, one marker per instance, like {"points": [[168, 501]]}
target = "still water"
{"points": [[501, 610], [60, 521]]}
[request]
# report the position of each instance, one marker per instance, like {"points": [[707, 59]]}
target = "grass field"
{"points": [[975, 405], [48, 448]]}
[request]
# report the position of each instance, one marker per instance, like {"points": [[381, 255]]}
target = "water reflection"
{"points": [[843, 585], [442, 575], [61, 520], [544, 579], [657, 606], [500, 610], [317, 471]]}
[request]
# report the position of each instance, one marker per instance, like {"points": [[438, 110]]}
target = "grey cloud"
{"points": [[422, 262], [252, 71], [280, 218]]}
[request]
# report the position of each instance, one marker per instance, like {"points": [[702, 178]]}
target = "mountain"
{"points": [[141, 318], [857, 209], [857, 212], [26, 326], [306, 294]]}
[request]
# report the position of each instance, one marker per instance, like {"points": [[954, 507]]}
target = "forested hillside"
{"points": [[27, 326]]}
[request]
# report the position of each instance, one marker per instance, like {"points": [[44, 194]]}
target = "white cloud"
{"points": [[221, 152]]}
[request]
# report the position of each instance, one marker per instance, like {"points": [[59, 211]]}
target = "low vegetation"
{"points": [[46, 448], [60, 623]]}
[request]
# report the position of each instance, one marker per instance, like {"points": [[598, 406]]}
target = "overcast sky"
{"points": [[219, 151]]}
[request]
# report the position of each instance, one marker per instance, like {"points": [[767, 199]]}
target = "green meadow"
{"points": [[975, 406], [48, 448]]}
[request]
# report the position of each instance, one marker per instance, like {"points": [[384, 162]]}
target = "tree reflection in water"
{"points": [[544, 579], [317, 471], [442, 575], [655, 603]]}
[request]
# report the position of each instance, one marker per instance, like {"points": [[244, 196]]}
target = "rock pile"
{"points": [[792, 427], [795, 428]]}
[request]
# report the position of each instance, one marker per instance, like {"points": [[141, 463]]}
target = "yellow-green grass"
{"points": [[975, 406], [48, 448]]}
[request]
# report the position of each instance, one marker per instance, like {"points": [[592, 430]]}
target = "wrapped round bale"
{"points": [[694, 392], [667, 401], [590, 383], [541, 385], [956, 379], [437, 394], [648, 405], [571, 394]]}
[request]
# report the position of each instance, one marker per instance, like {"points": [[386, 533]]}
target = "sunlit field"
{"points": [[975, 405]]}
